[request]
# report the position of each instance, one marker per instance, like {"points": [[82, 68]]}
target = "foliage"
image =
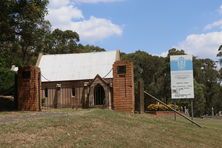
{"points": [[156, 75], [89, 48], [199, 100], [59, 41], [219, 51], [7, 80], [25, 33], [23, 27], [220, 54], [146, 67]]}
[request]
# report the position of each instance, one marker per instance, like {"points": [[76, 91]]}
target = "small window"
{"points": [[26, 74], [121, 69], [46, 92], [73, 91]]}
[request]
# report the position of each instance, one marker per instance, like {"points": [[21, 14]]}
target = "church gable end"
{"points": [[99, 83]]}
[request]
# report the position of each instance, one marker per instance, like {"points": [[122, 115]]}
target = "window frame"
{"points": [[121, 69], [26, 74]]}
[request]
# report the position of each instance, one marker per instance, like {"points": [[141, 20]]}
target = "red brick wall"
{"points": [[29, 89], [123, 87]]}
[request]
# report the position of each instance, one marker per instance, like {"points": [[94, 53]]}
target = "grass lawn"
{"points": [[104, 128]]}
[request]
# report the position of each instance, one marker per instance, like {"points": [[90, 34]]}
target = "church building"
{"points": [[96, 79]]}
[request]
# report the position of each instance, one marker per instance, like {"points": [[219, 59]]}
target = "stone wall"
{"points": [[123, 86], [29, 89]]}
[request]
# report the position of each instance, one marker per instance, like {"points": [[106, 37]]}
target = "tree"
{"points": [[174, 51], [89, 48], [156, 76], [23, 28], [149, 68], [220, 54], [7, 79], [7, 37], [210, 77], [199, 100], [61, 42]]}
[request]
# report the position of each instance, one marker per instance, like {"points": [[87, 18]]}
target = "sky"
{"points": [[154, 26]]}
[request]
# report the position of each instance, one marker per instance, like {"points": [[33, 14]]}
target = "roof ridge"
{"points": [[79, 53]]}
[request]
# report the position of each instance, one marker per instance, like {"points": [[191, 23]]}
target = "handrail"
{"points": [[172, 109]]}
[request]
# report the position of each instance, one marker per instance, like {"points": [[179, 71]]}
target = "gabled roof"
{"points": [[80, 66], [100, 78]]}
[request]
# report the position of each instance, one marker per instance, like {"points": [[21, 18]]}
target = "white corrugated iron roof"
{"points": [[80, 66]]}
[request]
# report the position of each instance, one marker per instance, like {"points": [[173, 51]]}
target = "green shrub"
{"points": [[7, 81]]}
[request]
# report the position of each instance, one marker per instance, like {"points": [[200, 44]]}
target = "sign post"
{"points": [[182, 86], [192, 109], [175, 115]]}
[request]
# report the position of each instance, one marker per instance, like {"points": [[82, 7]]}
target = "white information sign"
{"points": [[182, 86]]}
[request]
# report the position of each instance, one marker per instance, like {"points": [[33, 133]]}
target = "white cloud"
{"points": [[162, 54], [66, 16], [214, 25], [220, 9], [96, 1], [63, 15], [202, 45], [58, 3], [96, 29], [217, 24]]}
